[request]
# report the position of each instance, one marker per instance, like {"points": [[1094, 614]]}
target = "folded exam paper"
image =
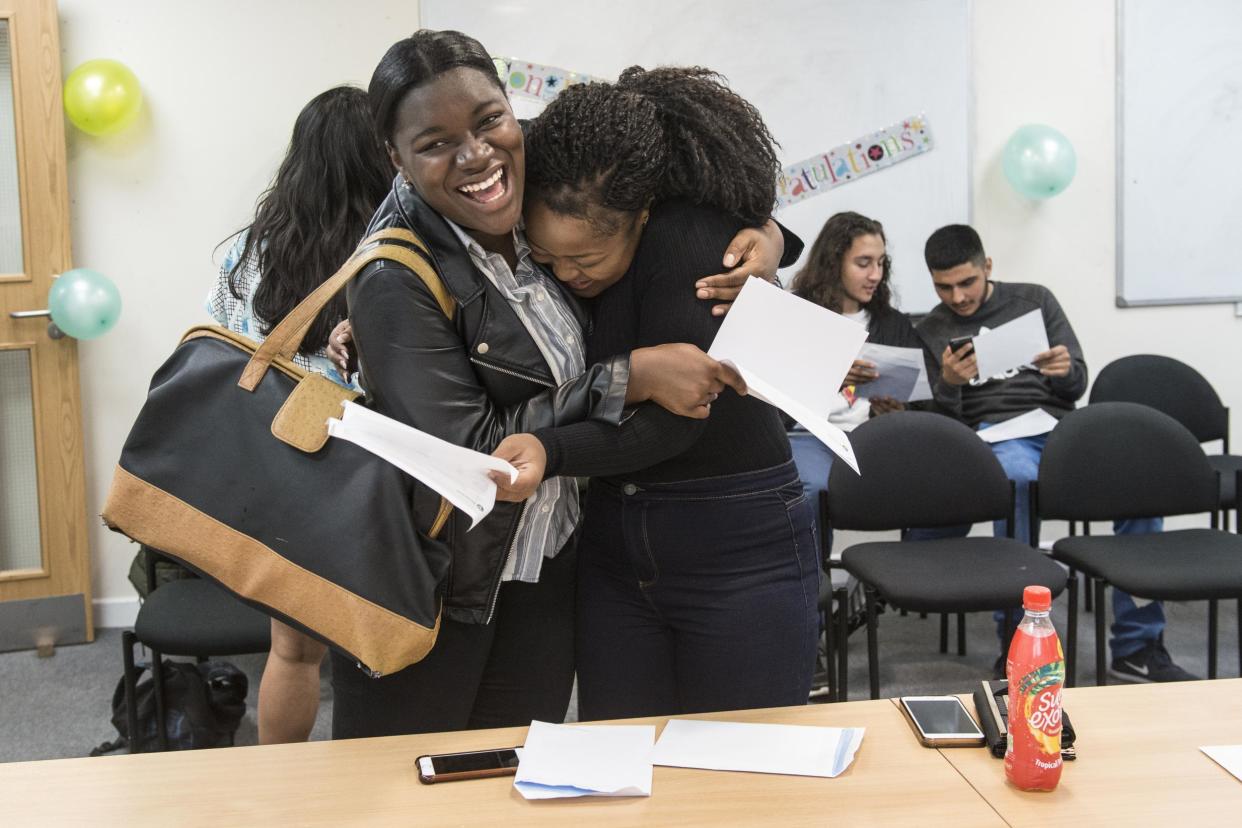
{"points": [[1031, 424], [457, 474], [796, 750], [793, 354], [560, 761], [1011, 345], [902, 373]]}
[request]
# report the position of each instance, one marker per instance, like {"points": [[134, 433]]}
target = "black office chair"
{"points": [[1118, 460], [186, 617], [927, 470], [1180, 391]]}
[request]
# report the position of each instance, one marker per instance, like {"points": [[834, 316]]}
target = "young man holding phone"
{"points": [[970, 302]]}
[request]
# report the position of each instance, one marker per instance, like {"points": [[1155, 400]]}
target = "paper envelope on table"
{"points": [[585, 760], [793, 354], [797, 750]]}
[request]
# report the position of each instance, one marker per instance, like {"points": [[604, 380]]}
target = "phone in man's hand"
{"points": [[958, 343]]}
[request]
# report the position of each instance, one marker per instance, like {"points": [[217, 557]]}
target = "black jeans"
{"points": [[696, 596], [503, 674]]}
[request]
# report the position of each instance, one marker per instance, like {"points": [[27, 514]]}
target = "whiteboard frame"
{"points": [[1118, 129]]}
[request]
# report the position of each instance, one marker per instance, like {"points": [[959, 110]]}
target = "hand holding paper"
{"points": [[793, 354], [458, 474], [902, 373], [1011, 345]]}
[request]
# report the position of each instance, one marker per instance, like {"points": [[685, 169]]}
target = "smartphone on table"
{"points": [[475, 764], [941, 721]]}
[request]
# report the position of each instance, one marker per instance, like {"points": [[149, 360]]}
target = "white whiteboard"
{"points": [[1179, 120], [822, 72]]}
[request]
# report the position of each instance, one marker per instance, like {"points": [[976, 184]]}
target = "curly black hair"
{"points": [[668, 133], [819, 280]]}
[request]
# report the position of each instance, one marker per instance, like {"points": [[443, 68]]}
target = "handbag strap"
{"points": [[396, 244]]}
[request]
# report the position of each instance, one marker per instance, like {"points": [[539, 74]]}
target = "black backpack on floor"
{"points": [[203, 706]]}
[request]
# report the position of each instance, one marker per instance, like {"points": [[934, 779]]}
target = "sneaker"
{"points": [[1152, 663]]}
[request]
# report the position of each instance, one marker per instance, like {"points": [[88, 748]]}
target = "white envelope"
{"points": [[793, 354], [796, 750], [1228, 757], [1011, 345], [456, 473], [561, 761]]}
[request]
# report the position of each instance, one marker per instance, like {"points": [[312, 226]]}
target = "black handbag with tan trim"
{"points": [[230, 471]]}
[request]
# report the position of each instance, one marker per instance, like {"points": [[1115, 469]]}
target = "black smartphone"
{"points": [[958, 342], [475, 764]]}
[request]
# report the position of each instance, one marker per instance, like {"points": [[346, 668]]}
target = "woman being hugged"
{"points": [[306, 224], [509, 359], [698, 573]]}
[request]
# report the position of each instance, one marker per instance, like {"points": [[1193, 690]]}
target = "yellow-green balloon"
{"points": [[84, 303], [102, 97]]}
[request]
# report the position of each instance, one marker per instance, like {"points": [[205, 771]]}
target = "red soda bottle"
{"points": [[1036, 671]]}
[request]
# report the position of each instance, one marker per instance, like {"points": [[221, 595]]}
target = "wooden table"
{"points": [[1139, 762], [893, 781]]}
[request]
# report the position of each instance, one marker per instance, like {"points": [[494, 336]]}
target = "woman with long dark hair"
{"points": [[305, 225], [511, 359], [698, 571], [849, 271]]}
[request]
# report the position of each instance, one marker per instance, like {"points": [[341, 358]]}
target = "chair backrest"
{"points": [[918, 469], [1118, 460], [1167, 385]]}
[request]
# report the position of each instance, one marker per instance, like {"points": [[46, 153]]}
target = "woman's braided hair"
{"points": [[668, 133]]}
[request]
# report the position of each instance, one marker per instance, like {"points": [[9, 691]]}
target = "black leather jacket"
{"points": [[472, 381]]}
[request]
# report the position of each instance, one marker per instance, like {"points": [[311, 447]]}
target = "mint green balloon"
{"points": [[84, 303], [1039, 161]]}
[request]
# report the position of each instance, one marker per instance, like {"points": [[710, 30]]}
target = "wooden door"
{"points": [[44, 562]]}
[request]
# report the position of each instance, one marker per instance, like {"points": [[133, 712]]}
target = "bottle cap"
{"points": [[1037, 598]]}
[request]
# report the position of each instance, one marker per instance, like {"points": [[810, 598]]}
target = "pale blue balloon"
{"points": [[1039, 161], [84, 303]]}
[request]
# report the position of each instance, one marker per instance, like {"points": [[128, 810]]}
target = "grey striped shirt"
{"points": [[552, 512]]}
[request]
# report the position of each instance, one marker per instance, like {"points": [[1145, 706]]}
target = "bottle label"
{"points": [[1040, 691]]}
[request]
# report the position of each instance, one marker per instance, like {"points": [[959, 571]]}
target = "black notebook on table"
{"points": [[992, 707]]}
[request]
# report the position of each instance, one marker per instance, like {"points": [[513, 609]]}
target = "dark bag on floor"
{"points": [[229, 470], [203, 705]]}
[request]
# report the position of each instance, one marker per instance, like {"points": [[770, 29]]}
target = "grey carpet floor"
{"points": [[59, 707]]}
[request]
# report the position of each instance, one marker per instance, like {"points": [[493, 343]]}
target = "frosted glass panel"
{"points": [[10, 201], [19, 489]]}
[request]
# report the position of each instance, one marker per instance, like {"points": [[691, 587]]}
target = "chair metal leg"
{"points": [[830, 654], [873, 655], [1087, 583], [1212, 631], [843, 643], [131, 699], [944, 632], [1071, 635], [157, 676], [961, 633], [1101, 645]]}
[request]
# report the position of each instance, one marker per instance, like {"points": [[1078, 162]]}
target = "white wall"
{"points": [[223, 82], [225, 79]]}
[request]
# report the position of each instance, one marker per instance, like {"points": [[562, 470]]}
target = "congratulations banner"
{"points": [[852, 161], [523, 79]]}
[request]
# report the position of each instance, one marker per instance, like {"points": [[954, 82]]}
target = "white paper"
{"points": [[902, 373], [1011, 345], [1031, 424], [793, 353], [796, 750], [560, 761], [455, 473], [1228, 757]]}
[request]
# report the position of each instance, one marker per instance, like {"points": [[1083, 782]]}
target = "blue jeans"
{"points": [[696, 596], [1133, 627], [814, 462]]}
